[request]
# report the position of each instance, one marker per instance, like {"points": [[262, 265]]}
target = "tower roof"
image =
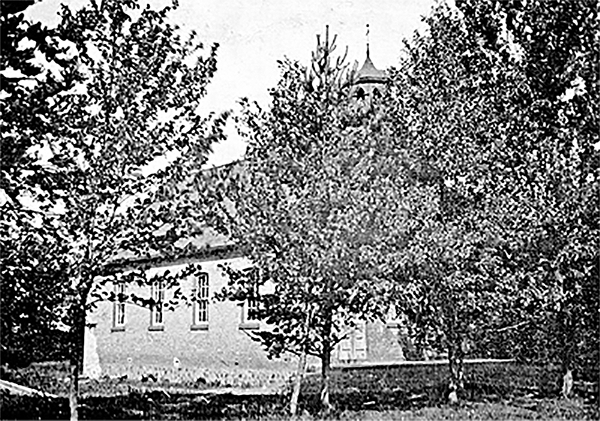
{"points": [[368, 73]]}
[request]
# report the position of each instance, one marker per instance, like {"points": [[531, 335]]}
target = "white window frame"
{"points": [[119, 318], [354, 345], [157, 315], [250, 305], [200, 306]]}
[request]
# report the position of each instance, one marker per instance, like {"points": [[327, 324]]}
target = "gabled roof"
{"points": [[205, 243]]}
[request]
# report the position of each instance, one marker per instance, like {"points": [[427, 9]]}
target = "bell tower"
{"points": [[369, 80]]}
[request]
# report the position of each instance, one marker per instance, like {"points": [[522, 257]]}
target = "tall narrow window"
{"points": [[201, 300], [353, 346], [119, 307], [251, 305], [158, 296], [360, 93]]}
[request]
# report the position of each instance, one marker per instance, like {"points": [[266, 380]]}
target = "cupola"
{"points": [[369, 80]]}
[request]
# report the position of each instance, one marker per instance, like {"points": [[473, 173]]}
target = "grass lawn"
{"points": [[493, 392], [545, 409]]}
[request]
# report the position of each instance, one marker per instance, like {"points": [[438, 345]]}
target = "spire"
{"points": [[368, 80], [367, 40], [368, 72]]}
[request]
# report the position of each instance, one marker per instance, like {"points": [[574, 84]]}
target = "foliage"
{"points": [[504, 179], [445, 109], [29, 52], [127, 145], [305, 211], [553, 143], [32, 285], [32, 290]]}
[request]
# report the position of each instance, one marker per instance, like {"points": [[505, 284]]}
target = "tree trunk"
{"points": [[325, 369], [567, 352], [567, 383], [76, 357], [455, 363], [568, 332], [298, 384], [326, 365], [301, 366], [74, 388]]}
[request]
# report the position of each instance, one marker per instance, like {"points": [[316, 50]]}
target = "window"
{"points": [[250, 310], [353, 346], [360, 93], [156, 311], [119, 307], [200, 294], [251, 305]]}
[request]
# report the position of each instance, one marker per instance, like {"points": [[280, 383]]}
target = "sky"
{"points": [[254, 34]]}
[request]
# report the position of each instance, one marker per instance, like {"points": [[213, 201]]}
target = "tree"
{"points": [[27, 87], [31, 286], [32, 290], [505, 172], [556, 49], [306, 213], [129, 146], [446, 111]]}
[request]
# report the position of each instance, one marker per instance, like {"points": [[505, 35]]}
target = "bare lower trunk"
{"points": [[568, 331], [455, 363], [567, 383], [301, 365], [74, 389], [298, 384], [76, 359], [567, 353], [325, 367]]}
